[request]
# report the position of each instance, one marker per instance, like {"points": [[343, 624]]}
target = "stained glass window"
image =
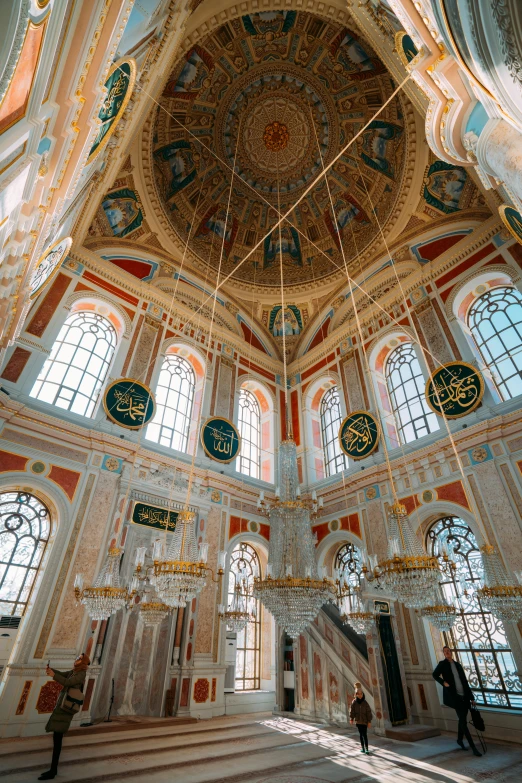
{"points": [[349, 562], [249, 424], [406, 386], [477, 638], [174, 403], [495, 320], [73, 375], [24, 532], [243, 559], [335, 460]]}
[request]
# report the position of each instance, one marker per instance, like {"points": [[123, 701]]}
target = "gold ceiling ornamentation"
{"points": [[276, 136]]}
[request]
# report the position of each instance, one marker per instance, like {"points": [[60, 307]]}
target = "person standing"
{"points": [[457, 694], [361, 715], [60, 720]]}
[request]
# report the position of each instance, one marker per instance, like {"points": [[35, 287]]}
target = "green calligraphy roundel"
{"points": [[129, 403], [512, 221], [359, 434], [119, 86], [220, 439], [455, 390]]}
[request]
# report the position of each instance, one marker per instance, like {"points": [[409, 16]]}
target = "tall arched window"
{"points": [[74, 373], [406, 389], [478, 638], [349, 562], [245, 560], [335, 459], [25, 527], [495, 320], [174, 403], [249, 425]]}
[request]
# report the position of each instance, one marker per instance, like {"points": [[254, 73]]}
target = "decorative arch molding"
{"points": [[323, 380], [384, 337], [426, 515], [332, 543], [250, 378], [185, 345], [490, 270], [48, 492], [16, 34], [79, 295]]}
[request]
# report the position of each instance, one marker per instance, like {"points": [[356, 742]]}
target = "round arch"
{"points": [[103, 305], [266, 401]]}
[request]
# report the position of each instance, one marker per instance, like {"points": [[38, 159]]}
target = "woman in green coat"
{"points": [[60, 720]]}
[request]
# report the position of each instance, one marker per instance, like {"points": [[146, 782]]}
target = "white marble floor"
{"points": [[255, 749]]}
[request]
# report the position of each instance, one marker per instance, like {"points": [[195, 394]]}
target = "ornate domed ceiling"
{"points": [[274, 96]]}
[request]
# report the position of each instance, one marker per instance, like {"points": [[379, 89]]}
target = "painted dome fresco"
{"points": [[273, 97]]}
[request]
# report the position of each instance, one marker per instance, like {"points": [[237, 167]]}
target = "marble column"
{"points": [[499, 152]]}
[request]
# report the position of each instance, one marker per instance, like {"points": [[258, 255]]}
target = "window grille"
{"points": [[249, 425], [174, 404], [406, 385], [248, 656], [73, 375], [335, 460]]}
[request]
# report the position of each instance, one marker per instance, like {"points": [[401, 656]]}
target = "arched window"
{"points": [[25, 527], [335, 459], [406, 389], [74, 373], [349, 562], [495, 320], [249, 425], [174, 403], [478, 638], [245, 560]]}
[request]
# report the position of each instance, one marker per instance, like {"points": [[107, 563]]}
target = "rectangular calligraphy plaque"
{"points": [[154, 516]]}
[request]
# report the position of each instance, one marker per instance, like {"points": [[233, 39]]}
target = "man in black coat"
{"points": [[457, 694]]}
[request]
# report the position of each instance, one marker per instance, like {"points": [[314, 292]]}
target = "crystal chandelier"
{"points": [[293, 591], [408, 573], [236, 616], [439, 612], [106, 596], [181, 573], [153, 612], [498, 594], [354, 608]]}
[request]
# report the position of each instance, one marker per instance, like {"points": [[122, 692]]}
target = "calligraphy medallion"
{"points": [[119, 86], [454, 390], [129, 403], [359, 434], [154, 516], [512, 221], [220, 439], [49, 264]]}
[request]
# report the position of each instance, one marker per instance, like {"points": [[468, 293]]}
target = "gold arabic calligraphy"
{"points": [[456, 393], [358, 436], [131, 404], [223, 441], [156, 517]]}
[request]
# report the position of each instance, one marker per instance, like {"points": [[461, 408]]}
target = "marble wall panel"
{"points": [[376, 532], [125, 659], [92, 541], [142, 356], [224, 391], [15, 366], [145, 660], [161, 660], [434, 334], [207, 599], [508, 527], [352, 384]]}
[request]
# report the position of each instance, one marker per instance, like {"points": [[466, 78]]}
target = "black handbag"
{"points": [[477, 719]]}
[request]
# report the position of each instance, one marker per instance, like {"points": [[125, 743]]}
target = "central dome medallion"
{"points": [[276, 136], [273, 97]]}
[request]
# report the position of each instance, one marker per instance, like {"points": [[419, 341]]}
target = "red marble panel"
{"points": [[185, 688], [303, 656], [317, 366], [321, 531], [454, 492], [251, 338], [435, 247], [411, 503], [88, 694], [10, 461], [24, 697], [14, 367], [214, 689], [189, 651], [294, 405], [318, 677], [121, 294], [423, 699], [516, 251], [264, 530], [201, 691], [48, 697], [234, 527], [462, 267], [334, 688], [320, 335], [65, 478], [40, 320], [256, 368]]}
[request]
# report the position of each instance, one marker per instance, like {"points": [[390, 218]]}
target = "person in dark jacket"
{"points": [[60, 720], [457, 694], [361, 715]]}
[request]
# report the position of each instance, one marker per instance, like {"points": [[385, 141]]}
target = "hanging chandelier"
{"points": [[354, 608], [153, 612], [408, 573], [498, 594], [292, 591], [439, 612], [180, 573], [237, 616], [106, 596]]}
